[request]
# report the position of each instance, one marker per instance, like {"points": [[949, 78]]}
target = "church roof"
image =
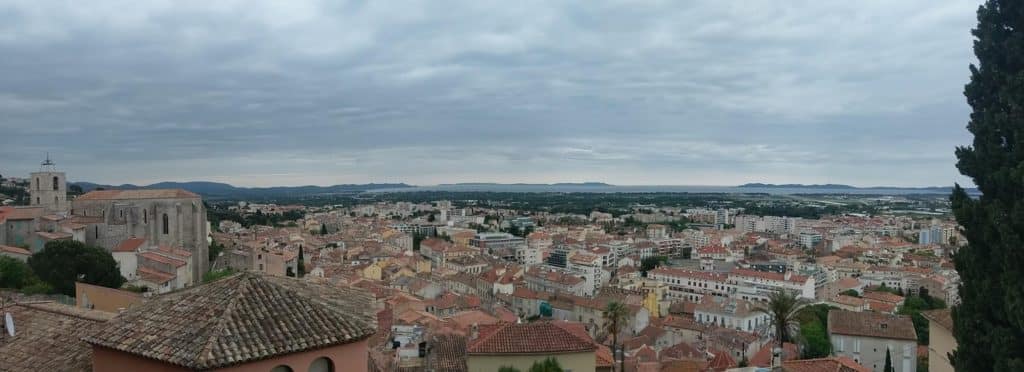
{"points": [[138, 194]]}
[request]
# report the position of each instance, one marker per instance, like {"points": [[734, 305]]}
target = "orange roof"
{"points": [[14, 250], [138, 194], [837, 364], [154, 276], [20, 213], [529, 338], [163, 259], [129, 245]]}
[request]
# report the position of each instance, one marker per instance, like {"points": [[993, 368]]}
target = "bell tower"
{"points": [[48, 188]]}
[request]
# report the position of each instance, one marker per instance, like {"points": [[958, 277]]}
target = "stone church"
{"points": [[163, 217]]}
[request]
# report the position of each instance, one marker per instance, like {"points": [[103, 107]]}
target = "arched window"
{"points": [[39, 186], [55, 183], [38, 201], [145, 217], [281, 368], [167, 227], [321, 364], [96, 232]]}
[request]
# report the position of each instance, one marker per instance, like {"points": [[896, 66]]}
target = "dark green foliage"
{"points": [[888, 362], [615, 315], [214, 251], [813, 331], [221, 213], [913, 306], [217, 274], [850, 292], [650, 263], [416, 240], [548, 365], [63, 262], [14, 273], [301, 263], [989, 323], [323, 229], [507, 369]]}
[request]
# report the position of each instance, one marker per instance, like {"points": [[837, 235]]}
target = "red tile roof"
{"points": [[15, 250], [870, 324], [722, 361], [832, 364], [529, 338], [129, 245], [163, 259], [154, 276]]}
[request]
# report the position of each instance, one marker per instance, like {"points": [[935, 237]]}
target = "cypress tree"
{"points": [[888, 362], [989, 322], [301, 263]]}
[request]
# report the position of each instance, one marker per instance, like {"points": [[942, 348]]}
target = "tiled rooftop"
{"points": [[239, 319], [48, 337], [530, 338], [869, 324]]}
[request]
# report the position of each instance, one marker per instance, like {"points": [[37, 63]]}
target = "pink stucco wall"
{"points": [[346, 357]]}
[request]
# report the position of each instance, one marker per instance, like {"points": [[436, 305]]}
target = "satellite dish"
{"points": [[9, 324]]}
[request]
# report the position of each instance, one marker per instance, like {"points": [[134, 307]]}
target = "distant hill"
{"points": [[216, 190], [594, 184], [832, 186]]}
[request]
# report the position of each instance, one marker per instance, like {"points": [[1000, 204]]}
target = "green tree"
{"points": [[851, 293], [14, 273], [323, 229], [63, 262], [301, 263], [615, 315], [888, 362], [214, 251], [548, 365], [650, 263], [989, 322], [783, 307], [508, 369]]}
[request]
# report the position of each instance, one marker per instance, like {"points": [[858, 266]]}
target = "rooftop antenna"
{"points": [[48, 165]]}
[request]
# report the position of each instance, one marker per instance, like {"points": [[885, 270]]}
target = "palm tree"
{"points": [[615, 315], [784, 307]]}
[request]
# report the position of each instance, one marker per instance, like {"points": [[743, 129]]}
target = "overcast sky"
{"points": [[424, 92]]}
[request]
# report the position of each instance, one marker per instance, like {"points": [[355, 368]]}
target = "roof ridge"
{"points": [[499, 326], [205, 354]]}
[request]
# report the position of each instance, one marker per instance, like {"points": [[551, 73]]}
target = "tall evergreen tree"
{"points": [[989, 323], [301, 263], [888, 362]]}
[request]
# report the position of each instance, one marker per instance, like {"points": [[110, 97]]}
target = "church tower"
{"points": [[49, 189]]}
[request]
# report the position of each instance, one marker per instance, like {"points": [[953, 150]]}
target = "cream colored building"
{"points": [[940, 340]]}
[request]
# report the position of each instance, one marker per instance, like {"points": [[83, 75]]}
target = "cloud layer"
{"points": [[425, 92]]}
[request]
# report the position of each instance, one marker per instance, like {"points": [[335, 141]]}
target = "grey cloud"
{"points": [[455, 91]]}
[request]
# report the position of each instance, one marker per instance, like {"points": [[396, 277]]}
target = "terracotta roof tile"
{"points": [[943, 317], [15, 250], [832, 364], [129, 245], [48, 337], [243, 318], [870, 324], [529, 338]]}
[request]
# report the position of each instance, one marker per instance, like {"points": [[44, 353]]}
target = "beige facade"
{"points": [[940, 340], [870, 351], [574, 362]]}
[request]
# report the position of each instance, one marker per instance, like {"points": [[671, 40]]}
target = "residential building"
{"points": [[521, 345], [866, 336], [731, 313]]}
